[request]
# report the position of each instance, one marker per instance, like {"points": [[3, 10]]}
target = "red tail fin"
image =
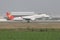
{"points": [[9, 16]]}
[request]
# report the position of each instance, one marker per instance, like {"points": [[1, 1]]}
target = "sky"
{"points": [[50, 7]]}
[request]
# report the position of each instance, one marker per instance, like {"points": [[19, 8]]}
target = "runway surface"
{"points": [[32, 24], [33, 21]]}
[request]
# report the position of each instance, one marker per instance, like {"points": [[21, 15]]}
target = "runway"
{"points": [[35, 21], [33, 24]]}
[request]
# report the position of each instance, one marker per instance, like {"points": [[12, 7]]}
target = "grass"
{"points": [[21, 35], [30, 33]]}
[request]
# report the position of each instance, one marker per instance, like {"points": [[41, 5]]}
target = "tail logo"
{"points": [[9, 16]]}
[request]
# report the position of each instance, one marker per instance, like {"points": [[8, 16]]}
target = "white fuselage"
{"points": [[32, 17], [18, 18]]}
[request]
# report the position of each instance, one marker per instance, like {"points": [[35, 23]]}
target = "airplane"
{"points": [[28, 18]]}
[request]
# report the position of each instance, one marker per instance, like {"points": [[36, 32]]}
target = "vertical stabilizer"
{"points": [[9, 16]]}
